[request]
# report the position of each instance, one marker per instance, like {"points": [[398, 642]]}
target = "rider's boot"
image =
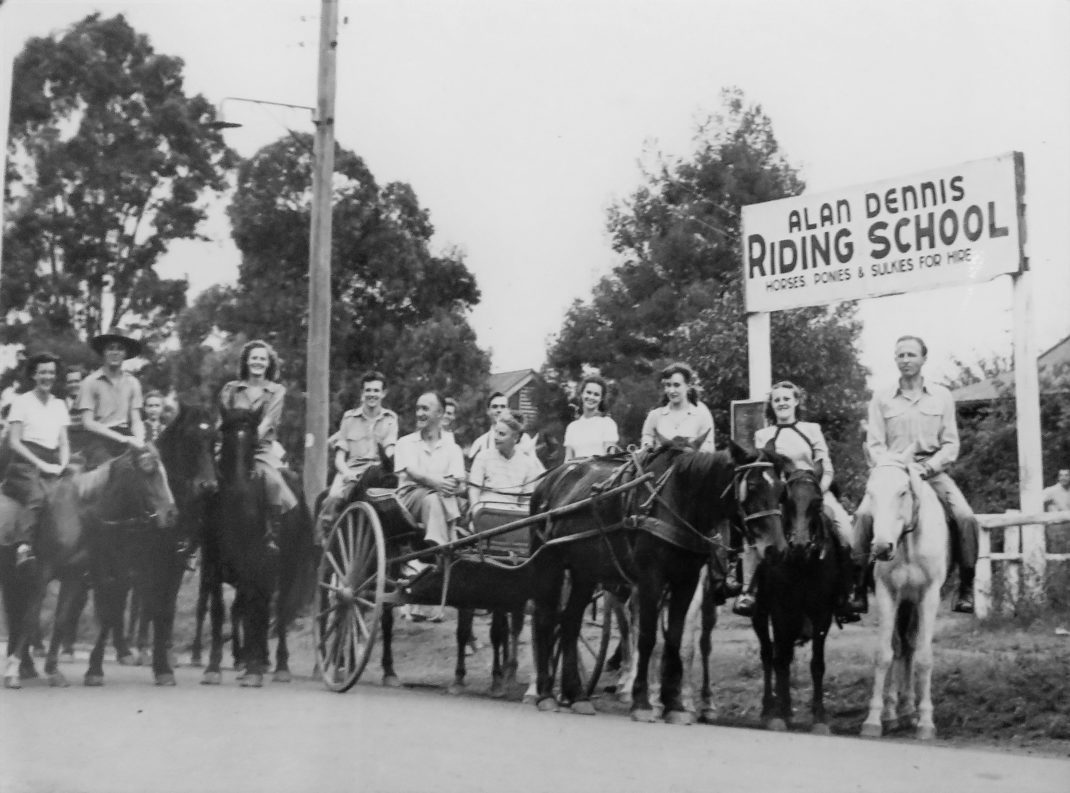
{"points": [[964, 600], [859, 600], [273, 530], [744, 605]]}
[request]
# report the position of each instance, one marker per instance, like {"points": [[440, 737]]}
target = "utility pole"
{"points": [[317, 391]]}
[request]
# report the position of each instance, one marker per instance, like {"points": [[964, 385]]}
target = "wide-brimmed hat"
{"points": [[132, 346]]}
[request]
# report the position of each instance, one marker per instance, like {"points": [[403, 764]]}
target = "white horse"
{"points": [[911, 546]]}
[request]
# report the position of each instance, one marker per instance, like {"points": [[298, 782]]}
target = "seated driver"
{"points": [[504, 475], [430, 469]]}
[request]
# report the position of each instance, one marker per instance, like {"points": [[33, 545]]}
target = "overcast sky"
{"points": [[519, 123]]}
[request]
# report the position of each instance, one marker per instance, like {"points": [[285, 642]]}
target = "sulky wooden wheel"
{"points": [[350, 586]]}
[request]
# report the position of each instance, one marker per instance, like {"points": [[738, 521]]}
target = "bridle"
{"points": [[915, 502], [740, 484]]}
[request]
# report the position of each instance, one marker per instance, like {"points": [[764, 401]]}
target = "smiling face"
{"points": [[784, 403], [44, 377], [504, 439], [428, 412], [1064, 477], [449, 415], [909, 358], [675, 387], [591, 397], [257, 362], [74, 384], [371, 395], [114, 354]]}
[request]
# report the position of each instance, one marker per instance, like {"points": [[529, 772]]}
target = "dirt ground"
{"points": [[1003, 684]]}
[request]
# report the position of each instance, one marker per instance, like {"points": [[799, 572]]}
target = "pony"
{"points": [[911, 546], [804, 573], [676, 516], [235, 552], [113, 521]]}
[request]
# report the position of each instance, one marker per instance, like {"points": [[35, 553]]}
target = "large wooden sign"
{"points": [[955, 225]]}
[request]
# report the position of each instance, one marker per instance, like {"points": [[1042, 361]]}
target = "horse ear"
{"points": [[661, 439], [740, 456], [696, 442]]}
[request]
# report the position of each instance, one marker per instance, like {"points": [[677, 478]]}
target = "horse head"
{"points": [[893, 490], [803, 508], [758, 488], [238, 432], [186, 448], [136, 489], [681, 442]]}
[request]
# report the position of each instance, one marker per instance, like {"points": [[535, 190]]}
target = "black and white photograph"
{"points": [[534, 395]]}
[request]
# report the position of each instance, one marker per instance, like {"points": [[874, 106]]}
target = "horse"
{"points": [[803, 574], [113, 520], [694, 492], [911, 545], [235, 552]]}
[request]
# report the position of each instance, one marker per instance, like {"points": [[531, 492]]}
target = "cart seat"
{"points": [[396, 519], [485, 516]]}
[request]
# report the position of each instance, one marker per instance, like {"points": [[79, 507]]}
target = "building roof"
{"points": [[510, 382], [995, 387]]}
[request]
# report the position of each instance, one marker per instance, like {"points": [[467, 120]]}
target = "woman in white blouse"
{"points": [[593, 433]]}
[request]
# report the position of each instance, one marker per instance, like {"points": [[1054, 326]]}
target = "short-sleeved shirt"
{"points": [[75, 414], [112, 400], [1056, 498], [485, 442], [440, 459], [589, 436], [928, 419], [802, 442], [42, 422], [237, 394], [691, 422], [517, 473], [360, 437]]}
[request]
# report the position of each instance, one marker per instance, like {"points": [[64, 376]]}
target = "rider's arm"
{"points": [[647, 438], [272, 412], [14, 438], [876, 440], [340, 462], [948, 435], [90, 424], [476, 479], [821, 455], [612, 435], [64, 448], [389, 443]]}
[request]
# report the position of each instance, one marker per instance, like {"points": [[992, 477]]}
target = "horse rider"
{"points": [[363, 431], [40, 450], [497, 403], [430, 469], [110, 401], [681, 414], [257, 389], [804, 444], [504, 475], [918, 412], [593, 433]]}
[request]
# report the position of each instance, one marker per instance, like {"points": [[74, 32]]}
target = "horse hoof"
{"points": [[925, 733], [497, 690], [455, 688], [93, 680], [776, 725], [644, 715], [708, 716], [530, 699], [583, 708], [282, 676], [125, 660], [820, 728], [684, 717], [624, 697], [252, 680], [196, 662], [66, 657], [10, 681], [908, 721], [391, 681], [870, 730], [166, 679], [28, 672], [137, 658], [547, 704], [211, 678], [57, 680]]}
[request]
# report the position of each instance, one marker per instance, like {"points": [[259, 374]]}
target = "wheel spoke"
{"points": [[345, 543], [334, 566], [359, 623]]}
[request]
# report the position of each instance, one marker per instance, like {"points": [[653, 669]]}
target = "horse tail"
{"points": [[304, 554]]}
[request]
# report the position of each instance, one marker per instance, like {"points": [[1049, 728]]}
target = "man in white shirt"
{"points": [[497, 404]]}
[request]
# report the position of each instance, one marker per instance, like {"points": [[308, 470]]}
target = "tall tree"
{"points": [[677, 291], [396, 306], [109, 160]]}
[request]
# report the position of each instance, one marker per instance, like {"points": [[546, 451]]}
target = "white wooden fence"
{"points": [[1023, 561]]}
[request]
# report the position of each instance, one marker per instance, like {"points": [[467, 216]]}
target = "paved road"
{"points": [[131, 736]]}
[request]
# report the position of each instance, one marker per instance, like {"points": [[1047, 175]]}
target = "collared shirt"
{"points": [[485, 442], [113, 402], [928, 418], [690, 422], [73, 411], [439, 459], [1056, 498], [589, 436], [360, 437], [42, 422], [237, 394], [804, 452], [517, 473]]}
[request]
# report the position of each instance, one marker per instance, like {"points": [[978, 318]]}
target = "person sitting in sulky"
{"points": [[504, 475]]}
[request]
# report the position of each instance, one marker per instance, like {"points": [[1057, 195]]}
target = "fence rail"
{"points": [[1024, 558]]}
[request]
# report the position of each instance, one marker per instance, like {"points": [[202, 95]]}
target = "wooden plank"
{"points": [[998, 521]]}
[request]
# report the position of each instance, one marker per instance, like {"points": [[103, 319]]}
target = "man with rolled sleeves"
{"points": [[921, 413], [110, 401]]}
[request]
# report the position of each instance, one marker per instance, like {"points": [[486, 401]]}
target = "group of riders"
{"points": [[102, 415]]}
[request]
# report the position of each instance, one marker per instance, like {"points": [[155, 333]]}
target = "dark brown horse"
{"points": [[235, 552], [675, 519], [804, 573], [117, 521]]}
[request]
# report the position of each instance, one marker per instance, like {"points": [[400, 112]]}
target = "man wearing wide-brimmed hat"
{"points": [[110, 400]]}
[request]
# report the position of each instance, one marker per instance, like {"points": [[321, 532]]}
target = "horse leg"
{"points": [[18, 603], [79, 599], [159, 597], [499, 642], [682, 593], [213, 588], [65, 603], [256, 618], [390, 678], [821, 625], [872, 727], [108, 607], [647, 597], [511, 668], [239, 635], [464, 633], [787, 625], [760, 621], [282, 624], [689, 643], [573, 691], [203, 593], [630, 643], [543, 620], [923, 660]]}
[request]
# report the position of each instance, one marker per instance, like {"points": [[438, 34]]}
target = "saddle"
{"points": [[396, 519]]}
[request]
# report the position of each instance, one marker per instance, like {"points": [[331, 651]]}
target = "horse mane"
{"points": [[234, 419], [90, 483], [696, 472]]}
